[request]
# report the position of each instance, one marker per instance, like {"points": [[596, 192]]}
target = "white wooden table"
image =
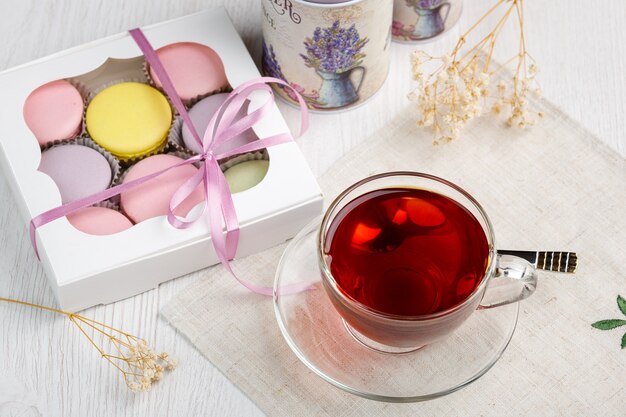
{"points": [[46, 367]]}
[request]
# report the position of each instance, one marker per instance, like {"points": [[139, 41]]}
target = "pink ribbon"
{"points": [[218, 202]]}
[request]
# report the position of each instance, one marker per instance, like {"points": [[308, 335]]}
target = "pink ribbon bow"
{"points": [[218, 202]]}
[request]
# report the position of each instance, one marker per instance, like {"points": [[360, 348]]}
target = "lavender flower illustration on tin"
{"points": [[272, 68], [334, 49], [335, 52]]}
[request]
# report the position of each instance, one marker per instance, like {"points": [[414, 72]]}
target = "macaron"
{"points": [[77, 170], [246, 175], [99, 221], [194, 69], [152, 199], [54, 111], [202, 112], [129, 119]]}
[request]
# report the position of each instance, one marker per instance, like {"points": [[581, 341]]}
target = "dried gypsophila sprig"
{"points": [[459, 87], [139, 364]]}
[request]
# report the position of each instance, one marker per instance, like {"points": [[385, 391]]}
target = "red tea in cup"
{"points": [[406, 258], [406, 251]]}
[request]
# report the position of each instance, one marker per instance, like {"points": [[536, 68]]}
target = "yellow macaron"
{"points": [[129, 119]]}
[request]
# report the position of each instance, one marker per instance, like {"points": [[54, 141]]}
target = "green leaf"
{"points": [[621, 303], [624, 341], [608, 324]]}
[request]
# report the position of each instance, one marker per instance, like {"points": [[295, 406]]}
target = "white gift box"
{"points": [[86, 270]]}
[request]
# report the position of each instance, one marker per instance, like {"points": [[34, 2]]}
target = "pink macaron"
{"points": [[195, 69], [152, 199], [54, 111], [99, 221]]}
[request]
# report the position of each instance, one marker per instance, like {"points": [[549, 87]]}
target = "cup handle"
{"points": [[514, 280]]}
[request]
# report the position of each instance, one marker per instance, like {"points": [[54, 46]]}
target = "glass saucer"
{"points": [[319, 338]]}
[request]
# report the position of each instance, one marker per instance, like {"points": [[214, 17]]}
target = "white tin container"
{"points": [[335, 54]]}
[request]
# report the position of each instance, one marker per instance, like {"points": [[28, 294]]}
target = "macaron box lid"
{"points": [[86, 270]]}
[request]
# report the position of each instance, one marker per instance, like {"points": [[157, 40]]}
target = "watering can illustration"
{"points": [[337, 89], [429, 21]]}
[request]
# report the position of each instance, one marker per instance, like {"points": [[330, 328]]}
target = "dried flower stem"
{"points": [[138, 363], [454, 93]]}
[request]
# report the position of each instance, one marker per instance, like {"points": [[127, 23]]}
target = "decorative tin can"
{"points": [[336, 55], [418, 20]]}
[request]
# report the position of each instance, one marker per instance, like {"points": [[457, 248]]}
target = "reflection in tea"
{"points": [[406, 251]]}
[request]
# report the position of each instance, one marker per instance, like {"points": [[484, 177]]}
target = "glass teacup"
{"points": [[505, 278]]}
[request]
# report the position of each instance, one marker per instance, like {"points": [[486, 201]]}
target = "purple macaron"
{"points": [[78, 171], [201, 114]]}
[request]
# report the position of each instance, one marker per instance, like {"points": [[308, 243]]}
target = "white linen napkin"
{"points": [[550, 187]]}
